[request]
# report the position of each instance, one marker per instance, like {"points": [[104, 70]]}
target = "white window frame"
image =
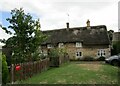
{"points": [[49, 46], [101, 52], [61, 45], [78, 54], [78, 44]]}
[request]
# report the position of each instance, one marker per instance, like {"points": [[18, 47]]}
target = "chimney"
{"points": [[67, 25], [88, 23]]}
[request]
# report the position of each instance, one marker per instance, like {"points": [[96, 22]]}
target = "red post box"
{"points": [[17, 68]]}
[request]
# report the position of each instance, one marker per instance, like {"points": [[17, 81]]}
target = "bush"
{"points": [[54, 57], [4, 70], [53, 53], [116, 48], [42, 56], [35, 56], [88, 58], [58, 56], [101, 58]]}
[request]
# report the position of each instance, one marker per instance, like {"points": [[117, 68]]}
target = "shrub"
{"points": [[101, 58], [53, 53], [88, 58], [42, 56], [36, 56], [58, 56], [54, 57], [4, 70], [116, 48]]}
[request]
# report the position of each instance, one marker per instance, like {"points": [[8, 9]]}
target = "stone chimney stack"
{"points": [[88, 23], [67, 24]]}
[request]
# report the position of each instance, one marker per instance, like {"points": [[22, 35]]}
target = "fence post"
{"points": [[12, 73]]}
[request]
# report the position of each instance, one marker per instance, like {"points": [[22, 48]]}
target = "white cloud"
{"points": [[3, 35], [53, 13], [107, 16]]}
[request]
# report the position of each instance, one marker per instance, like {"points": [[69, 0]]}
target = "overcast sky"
{"points": [[53, 14]]}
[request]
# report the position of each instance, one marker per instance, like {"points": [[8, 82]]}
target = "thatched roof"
{"points": [[86, 35]]}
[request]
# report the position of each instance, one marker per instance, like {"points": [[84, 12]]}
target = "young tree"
{"points": [[4, 69], [27, 36]]}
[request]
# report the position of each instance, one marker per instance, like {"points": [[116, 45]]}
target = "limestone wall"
{"points": [[91, 51]]}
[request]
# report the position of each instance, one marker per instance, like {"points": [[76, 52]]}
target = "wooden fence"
{"points": [[57, 61], [63, 59], [28, 69]]}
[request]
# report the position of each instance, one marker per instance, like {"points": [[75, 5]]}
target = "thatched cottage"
{"points": [[79, 42]]}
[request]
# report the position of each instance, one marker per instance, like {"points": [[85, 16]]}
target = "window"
{"points": [[78, 54], [60, 45], [49, 46], [78, 44], [101, 52]]}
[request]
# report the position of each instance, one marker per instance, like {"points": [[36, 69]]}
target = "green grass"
{"points": [[0, 52], [75, 73]]}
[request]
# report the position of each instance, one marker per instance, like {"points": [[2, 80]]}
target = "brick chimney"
{"points": [[67, 24], [88, 23]]}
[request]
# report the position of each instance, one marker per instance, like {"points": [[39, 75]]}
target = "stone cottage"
{"points": [[79, 42]]}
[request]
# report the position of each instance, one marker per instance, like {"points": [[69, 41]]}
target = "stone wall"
{"points": [[91, 51], [86, 51]]}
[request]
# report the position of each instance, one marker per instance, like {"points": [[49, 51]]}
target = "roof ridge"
{"points": [[73, 28]]}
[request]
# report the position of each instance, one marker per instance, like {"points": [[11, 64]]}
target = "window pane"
{"points": [[61, 45], [101, 52], [79, 53], [104, 52], [78, 44], [98, 52], [49, 46]]}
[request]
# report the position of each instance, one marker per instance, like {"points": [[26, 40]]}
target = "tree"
{"points": [[27, 36], [116, 47], [4, 70]]}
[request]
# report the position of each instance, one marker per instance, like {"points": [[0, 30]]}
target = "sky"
{"points": [[53, 14]]}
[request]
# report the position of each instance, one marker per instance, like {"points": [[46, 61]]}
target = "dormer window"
{"points": [[78, 44], [49, 46], [60, 45]]}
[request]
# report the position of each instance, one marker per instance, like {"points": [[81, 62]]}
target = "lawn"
{"points": [[0, 52], [77, 73]]}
